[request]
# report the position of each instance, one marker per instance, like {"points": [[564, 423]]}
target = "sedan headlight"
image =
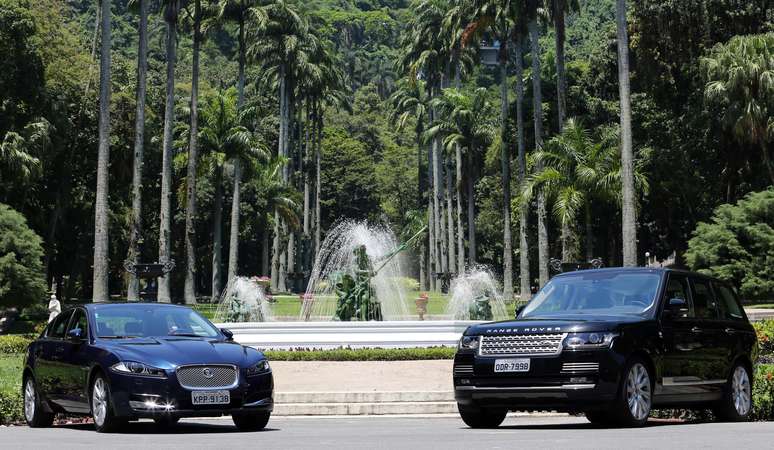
{"points": [[135, 368], [261, 367], [468, 343], [589, 341]]}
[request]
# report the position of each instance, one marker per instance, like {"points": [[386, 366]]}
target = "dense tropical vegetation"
{"points": [[150, 130]]}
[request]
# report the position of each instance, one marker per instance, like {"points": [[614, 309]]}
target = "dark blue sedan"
{"points": [[121, 362]]}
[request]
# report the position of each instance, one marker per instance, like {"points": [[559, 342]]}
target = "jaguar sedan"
{"points": [[122, 362]]}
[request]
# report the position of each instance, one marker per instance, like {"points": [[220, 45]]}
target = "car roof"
{"points": [[96, 306], [659, 270]]}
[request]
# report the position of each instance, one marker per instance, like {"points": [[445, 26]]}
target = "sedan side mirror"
{"points": [[228, 333], [76, 334]]}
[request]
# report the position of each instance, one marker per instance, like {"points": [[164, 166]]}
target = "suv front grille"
{"points": [[521, 344], [207, 377]]}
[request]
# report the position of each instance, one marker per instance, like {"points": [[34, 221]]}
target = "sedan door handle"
{"points": [[730, 330], [695, 330]]}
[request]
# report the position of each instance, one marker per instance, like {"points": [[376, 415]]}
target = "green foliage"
{"points": [[15, 343], [363, 354], [738, 245], [21, 261], [10, 388], [765, 331], [763, 392]]}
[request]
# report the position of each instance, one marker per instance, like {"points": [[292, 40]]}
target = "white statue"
{"points": [[54, 307]]}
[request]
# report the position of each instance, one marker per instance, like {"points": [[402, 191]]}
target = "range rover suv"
{"points": [[612, 343]]}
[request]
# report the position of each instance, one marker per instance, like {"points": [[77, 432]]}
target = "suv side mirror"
{"points": [[228, 333], [676, 307], [76, 334], [519, 310]]}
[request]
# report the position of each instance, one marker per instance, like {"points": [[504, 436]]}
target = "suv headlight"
{"points": [[261, 367], [589, 341], [135, 368], [468, 343]]}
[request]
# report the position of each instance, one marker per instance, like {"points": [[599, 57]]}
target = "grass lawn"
{"points": [[761, 306], [10, 372]]}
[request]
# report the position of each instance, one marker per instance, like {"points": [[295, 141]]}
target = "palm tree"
{"points": [[277, 40], [244, 13], [410, 102], [558, 9], [17, 150], [524, 273], [464, 121], [628, 209], [171, 12], [135, 235], [739, 75], [101, 224], [575, 169], [537, 108]]}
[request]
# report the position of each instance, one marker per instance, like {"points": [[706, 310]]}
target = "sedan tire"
{"points": [[251, 421], [105, 420], [34, 411]]}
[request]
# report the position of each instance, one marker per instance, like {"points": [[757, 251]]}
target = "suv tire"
{"points": [[599, 418], [736, 404], [635, 396], [482, 417]]}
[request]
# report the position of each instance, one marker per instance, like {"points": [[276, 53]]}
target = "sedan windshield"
{"points": [[129, 321], [596, 293]]}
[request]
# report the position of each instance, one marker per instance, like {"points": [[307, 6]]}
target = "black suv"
{"points": [[612, 343]]}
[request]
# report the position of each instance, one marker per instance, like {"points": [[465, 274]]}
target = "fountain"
{"points": [[357, 276], [475, 295], [243, 300]]}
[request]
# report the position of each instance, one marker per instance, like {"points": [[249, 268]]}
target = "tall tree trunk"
{"points": [[561, 77], [165, 226], [276, 277], [569, 253], [438, 202], [524, 277], [628, 207], [450, 216], [432, 266], [135, 234], [317, 199], [589, 231], [472, 205], [217, 234], [458, 186], [265, 271], [505, 160], [242, 64], [100, 290], [233, 245], [537, 106], [193, 157]]}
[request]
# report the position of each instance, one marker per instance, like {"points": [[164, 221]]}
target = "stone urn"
{"points": [[421, 303]]}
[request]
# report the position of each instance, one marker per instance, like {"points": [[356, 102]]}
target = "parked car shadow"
{"points": [[183, 427], [589, 426]]}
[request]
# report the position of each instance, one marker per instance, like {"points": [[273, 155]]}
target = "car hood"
{"points": [[566, 324], [170, 352]]}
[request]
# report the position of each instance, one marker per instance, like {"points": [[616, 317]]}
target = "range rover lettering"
{"points": [[613, 344], [120, 362]]}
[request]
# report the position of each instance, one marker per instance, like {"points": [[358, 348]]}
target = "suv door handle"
{"points": [[695, 330]]}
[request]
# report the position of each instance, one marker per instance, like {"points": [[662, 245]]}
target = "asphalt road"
{"points": [[397, 433]]}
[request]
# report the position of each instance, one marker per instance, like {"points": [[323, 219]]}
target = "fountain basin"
{"points": [[331, 335]]}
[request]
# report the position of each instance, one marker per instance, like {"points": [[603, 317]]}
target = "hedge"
{"points": [[11, 408], [15, 343]]}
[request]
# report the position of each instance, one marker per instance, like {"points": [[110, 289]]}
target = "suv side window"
{"points": [[677, 287], [729, 307], [57, 329], [704, 304]]}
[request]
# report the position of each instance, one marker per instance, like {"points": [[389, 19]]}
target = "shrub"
{"points": [[408, 283], [21, 255], [15, 343], [763, 392], [11, 410], [35, 313], [738, 245], [362, 354], [765, 331]]}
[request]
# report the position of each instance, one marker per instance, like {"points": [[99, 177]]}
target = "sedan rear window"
{"points": [[127, 321], [611, 293]]}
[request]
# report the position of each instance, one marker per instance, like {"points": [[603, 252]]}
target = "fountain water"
{"points": [[476, 295], [243, 300], [355, 260]]}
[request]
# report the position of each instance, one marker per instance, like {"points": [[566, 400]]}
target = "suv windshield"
{"points": [[126, 321], [608, 293]]}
